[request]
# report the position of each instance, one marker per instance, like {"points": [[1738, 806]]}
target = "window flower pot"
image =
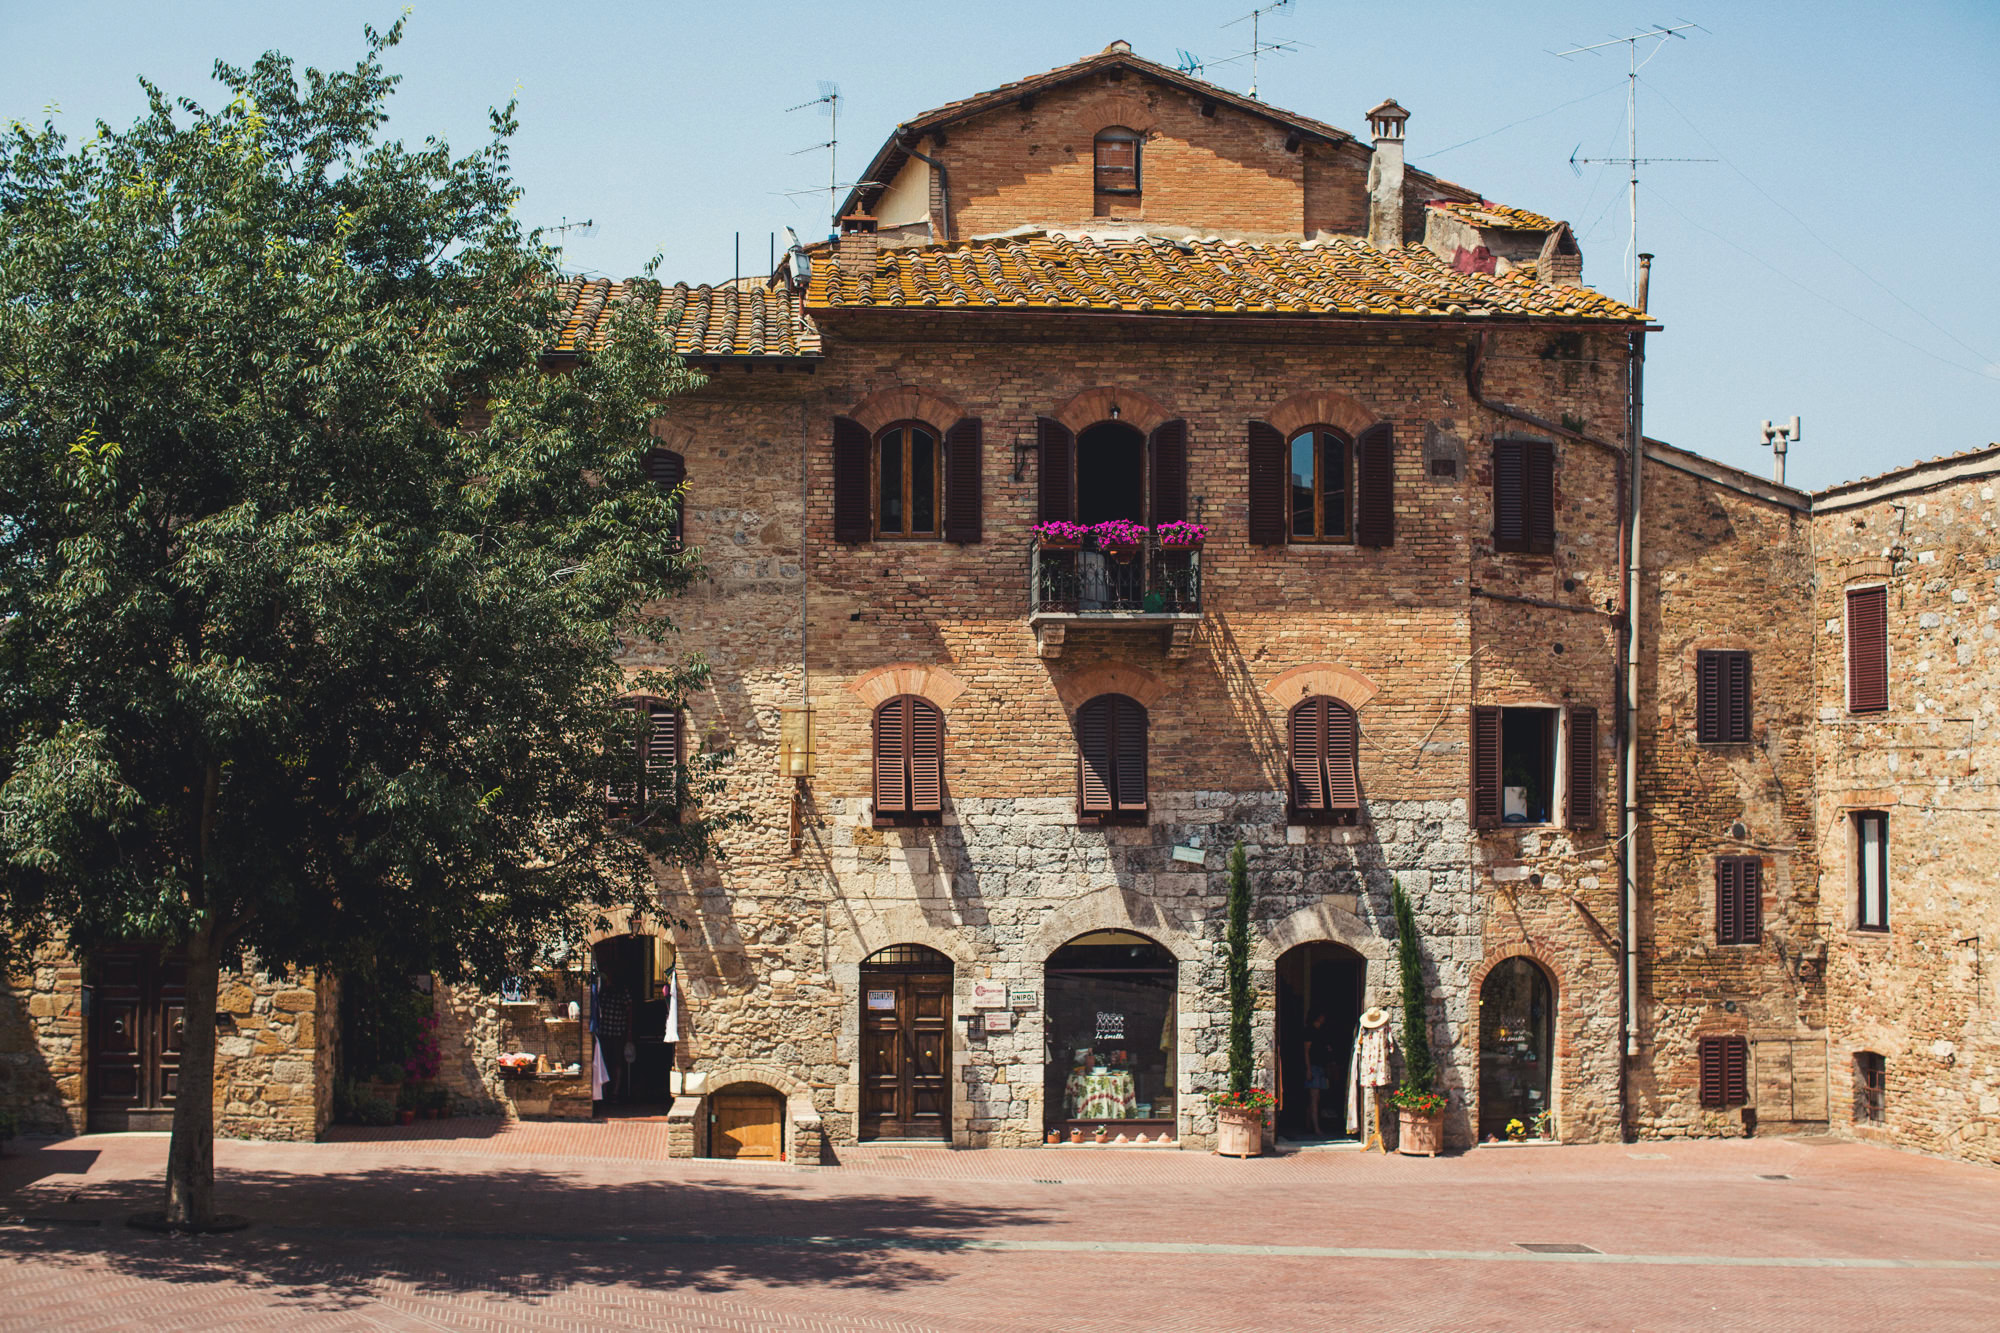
{"points": [[1076, 1136], [1049, 544], [1239, 1133], [1122, 554], [1419, 1135]]}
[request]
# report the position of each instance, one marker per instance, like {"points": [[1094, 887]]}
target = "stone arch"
{"points": [[884, 683], [770, 1076], [1339, 682], [878, 927], [1111, 908], [1123, 109], [905, 403], [1535, 954], [1323, 922], [1321, 407], [671, 435], [1136, 408], [1137, 682]]}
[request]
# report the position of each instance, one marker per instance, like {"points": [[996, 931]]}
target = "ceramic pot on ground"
{"points": [[1419, 1135], [1239, 1133]]}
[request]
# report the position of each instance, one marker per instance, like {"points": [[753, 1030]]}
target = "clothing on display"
{"points": [[1370, 1061]]}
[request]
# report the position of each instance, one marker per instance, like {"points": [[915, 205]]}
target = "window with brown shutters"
{"points": [[1117, 160], [1168, 446], [1722, 697], [1868, 650], [1524, 502], [1325, 744], [1725, 1071], [668, 471], [1581, 788], [853, 468], [1267, 478], [909, 481], [1739, 900], [1319, 488], [1055, 449], [1111, 759], [964, 482], [650, 789], [909, 761], [1486, 768], [1375, 486]]}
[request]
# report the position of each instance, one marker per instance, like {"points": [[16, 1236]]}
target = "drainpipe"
{"points": [[944, 185], [1628, 848]]}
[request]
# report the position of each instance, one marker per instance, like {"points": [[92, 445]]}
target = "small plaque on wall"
{"points": [[1021, 999], [989, 995], [1000, 1020], [881, 999]]}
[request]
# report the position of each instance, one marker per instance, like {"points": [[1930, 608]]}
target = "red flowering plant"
{"points": [[1060, 530], [1250, 1099], [1417, 1101], [424, 1061], [1182, 534], [1118, 532]]}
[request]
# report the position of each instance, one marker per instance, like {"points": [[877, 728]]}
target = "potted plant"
{"points": [[1059, 535], [1239, 1112], [1419, 1106], [1119, 538], [1239, 1121], [409, 1101], [1182, 536]]}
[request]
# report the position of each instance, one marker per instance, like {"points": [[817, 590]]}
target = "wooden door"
{"points": [[747, 1126], [905, 1054], [138, 1000]]}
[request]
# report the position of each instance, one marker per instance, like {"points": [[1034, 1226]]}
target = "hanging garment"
{"points": [[673, 1033], [599, 1075], [1354, 1082], [1374, 1047], [614, 1016]]}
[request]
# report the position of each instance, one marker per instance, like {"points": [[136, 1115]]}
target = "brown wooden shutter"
{"points": [[1582, 794], [1129, 753], [1735, 1071], [1309, 755], [667, 470], [853, 511], [1375, 486], [661, 748], [1169, 444], [1736, 697], [1056, 466], [892, 757], [1343, 753], [1727, 891], [1540, 462], [1510, 516], [1722, 697], [1868, 650], [1714, 1083], [963, 480], [1750, 900], [621, 792], [1267, 485], [926, 731], [1093, 749], [1486, 768], [1708, 686]]}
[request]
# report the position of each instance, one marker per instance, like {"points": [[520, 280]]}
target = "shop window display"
{"points": [[1516, 1043], [1110, 999]]}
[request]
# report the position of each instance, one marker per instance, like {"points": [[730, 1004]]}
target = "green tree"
{"points": [[1237, 947], [316, 578], [1419, 1069]]}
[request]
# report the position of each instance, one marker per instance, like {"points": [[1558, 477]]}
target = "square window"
{"points": [[1527, 765], [1722, 697]]}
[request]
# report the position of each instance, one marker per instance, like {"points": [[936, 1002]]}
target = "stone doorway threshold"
{"points": [[1319, 1145], [642, 1111]]}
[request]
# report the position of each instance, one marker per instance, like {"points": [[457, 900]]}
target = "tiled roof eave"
{"points": [[1221, 314]]}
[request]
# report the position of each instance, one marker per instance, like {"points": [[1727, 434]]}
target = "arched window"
{"points": [[1111, 759], [909, 481], [909, 761], [1517, 1008], [668, 470], [1325, 738], [1321, 465], [1110, 1004], [651, 784], [1117, 160]]}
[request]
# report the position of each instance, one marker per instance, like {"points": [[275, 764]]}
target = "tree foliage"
{"points": [[316, 578], [1419, 1068], [1237, 948]]}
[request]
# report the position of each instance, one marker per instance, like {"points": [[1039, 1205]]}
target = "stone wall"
{"points": [[42, 1049]]}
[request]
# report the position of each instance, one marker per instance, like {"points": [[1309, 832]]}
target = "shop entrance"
{"points": [[136, 1001], [746, 1123], [1110, 1000], [629, 1009], [1516, 1045], [1320, 989], [906, 1044]]}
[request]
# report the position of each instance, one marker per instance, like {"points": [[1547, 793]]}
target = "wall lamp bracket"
{"points": [[1022, 447]]}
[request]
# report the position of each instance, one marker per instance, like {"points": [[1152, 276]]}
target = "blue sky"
{"points": [[1829, 265]]}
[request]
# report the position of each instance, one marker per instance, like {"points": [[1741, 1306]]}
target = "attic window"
{"points": [[1118, 160]]}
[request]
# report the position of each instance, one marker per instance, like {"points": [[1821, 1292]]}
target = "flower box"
{"points": [[1181, 536], [1239, 1133], [1419, 1135]]}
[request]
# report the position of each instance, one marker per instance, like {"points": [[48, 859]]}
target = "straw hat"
{"points": [[1375, 1018]]}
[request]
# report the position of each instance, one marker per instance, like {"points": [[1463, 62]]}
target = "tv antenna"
{"points": [[1659, 35], [828, 103], [1187, 62], [563, 228], [1258, 46]]}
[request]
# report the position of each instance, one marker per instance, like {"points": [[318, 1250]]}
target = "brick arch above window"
{"points": [[1122, 110], [1322, 407], [1135, 683], [906, 403], [1535, 954], [1136, 408], [1339, 682], [671, 435], [884, 683]]}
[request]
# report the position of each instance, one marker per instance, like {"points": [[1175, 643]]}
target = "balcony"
{"points": [[1153, 587]]}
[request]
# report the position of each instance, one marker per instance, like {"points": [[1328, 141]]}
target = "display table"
{"points": [[1107, 1096]]}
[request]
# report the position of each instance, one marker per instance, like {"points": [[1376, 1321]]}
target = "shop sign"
{"points": [[1110, 1026], [1021, 999], [881, 999], [1000, 1021], [989, 995]]}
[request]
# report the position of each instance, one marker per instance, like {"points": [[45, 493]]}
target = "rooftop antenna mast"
{"points": [[828, 103], [1255, 18], [1659, 35]]}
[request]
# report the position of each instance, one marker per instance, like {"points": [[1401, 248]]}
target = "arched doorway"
{"points": [[1109, 1001], [747, 1122], [629, 1011], [1516, 1048], [906, 1044], [1320, 989]]}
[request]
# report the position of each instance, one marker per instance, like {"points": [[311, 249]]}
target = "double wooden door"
{"points": [[905, 1053], [137, 1003]]}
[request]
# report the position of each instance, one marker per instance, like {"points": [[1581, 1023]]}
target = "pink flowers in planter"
{"points": [[1060, 531], [1182, 534], [1121, 532]]}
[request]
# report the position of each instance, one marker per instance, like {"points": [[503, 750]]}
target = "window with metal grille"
{"points": [[668, 471], [1325, 742], [1871, 869], [909, 761], [1524, 496], [1725, 1071], [1868, 650], [1739, 900], [1871, 1081], [1722, 697], [651, 789], [1117, 160], [1111, 759]]}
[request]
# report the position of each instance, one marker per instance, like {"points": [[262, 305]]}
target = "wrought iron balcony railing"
{"points": [[1152, 579]]}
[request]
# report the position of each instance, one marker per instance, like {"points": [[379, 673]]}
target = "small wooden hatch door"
{"points": [[747, 1123]]}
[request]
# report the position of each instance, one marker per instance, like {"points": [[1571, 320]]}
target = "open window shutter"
{"points": [[926, 757], [1486, 768], [1726, 892], [662, 750], [1735, 1071], [667, 470], [1375, 486], [1129, 739], [892, 746], [1749, 900], [621, 794], [1582, 795], [1714, 1086], [852, 512], [1708, 687], [1868, 650], [1540, 460], [1169, 445], [1342, 747], [963, 481], [1267, 485], [1056, 467], [1510, 519], [1093, 749], [1309, 755], [1736, 696]]}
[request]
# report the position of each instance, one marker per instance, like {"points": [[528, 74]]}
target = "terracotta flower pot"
{"points": [[1076, 1136], [1239, 1133], [1102, 1135], [406, 1117], [1055, 1136], [1419, 1135]]}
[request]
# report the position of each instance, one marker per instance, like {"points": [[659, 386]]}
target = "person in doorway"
{"points": [[1319, 1066]]}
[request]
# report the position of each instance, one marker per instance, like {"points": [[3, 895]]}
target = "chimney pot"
{"points": [[1385, 176]]}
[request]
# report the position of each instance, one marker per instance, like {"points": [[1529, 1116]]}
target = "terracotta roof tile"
{"points": [[1484, 214], [1335, 276], [706, 321]]}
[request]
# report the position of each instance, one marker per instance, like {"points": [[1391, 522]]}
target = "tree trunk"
{"points": [[191, 1157]]}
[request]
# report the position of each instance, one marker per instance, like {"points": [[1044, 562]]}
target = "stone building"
{"points": [[992, 774]]}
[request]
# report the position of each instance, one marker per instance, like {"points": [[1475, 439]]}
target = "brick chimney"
{"points": [[1385, 176], [856, 250], [1560, 264]]}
